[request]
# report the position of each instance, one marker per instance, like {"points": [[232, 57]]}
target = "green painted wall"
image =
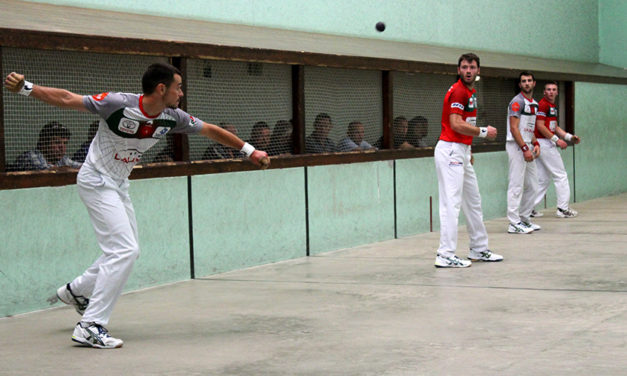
{"points": [[566, 29], [601, 158], [350, 204], [247, 218], [47, 240], [612, 32], [416, 181]]}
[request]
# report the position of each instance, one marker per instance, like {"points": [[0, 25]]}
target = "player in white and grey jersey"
{"points": [[521, 122], [130, 124]]}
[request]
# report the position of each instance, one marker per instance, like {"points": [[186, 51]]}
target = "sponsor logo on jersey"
{"points": [[193, 121], [552, 111], [471, 120], [146, 129], [472, 103], [128, 156], [160, 132], [128, 126], [457, 105], [515, 107], [455, 163], [99, 97]]}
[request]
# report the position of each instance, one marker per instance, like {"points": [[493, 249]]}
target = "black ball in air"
{"points": [[380, 26]]}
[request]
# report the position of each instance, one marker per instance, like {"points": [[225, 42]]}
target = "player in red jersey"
{"points": [[550, 164], [457, 181]]}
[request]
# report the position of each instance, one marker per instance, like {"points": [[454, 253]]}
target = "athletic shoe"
{"points": [[519, 228], [451, 262], [95, 335], [531, 225], [536, 214], [486, 256], [566, 213], [65, 294]]}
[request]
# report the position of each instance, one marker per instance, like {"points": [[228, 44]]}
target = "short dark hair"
{"points": [[470, 57], [551, 83], [321, 116], [50, 130], [526, 73], [158, 73], [398, 120]]}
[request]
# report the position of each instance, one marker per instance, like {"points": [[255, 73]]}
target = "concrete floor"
{"points": [[557, 305]]}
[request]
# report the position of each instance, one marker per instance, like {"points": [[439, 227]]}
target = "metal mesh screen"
{"points": [[254, 100], [346, 96], [419, 97], [78, 72]]}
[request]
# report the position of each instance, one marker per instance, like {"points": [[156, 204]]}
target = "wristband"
{"points": [[525, 147], [568, 137], [26, 89], [536, 143], [554, 139], [247, 149], [483, 132]]}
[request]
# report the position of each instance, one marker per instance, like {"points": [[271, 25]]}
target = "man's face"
{"points": [[550, 92], [57, 148], [174, 92], [526, 85], [264, 138], [357, 133], [400, 129], [324, 127], [468, 71]]}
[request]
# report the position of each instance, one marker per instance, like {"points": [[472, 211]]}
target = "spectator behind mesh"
{"points": [[354, 139], [318, 141], [260, 135], [281, 139], [80, 155], [219, 151], [417, 130], [399, 127], [50, 151]]}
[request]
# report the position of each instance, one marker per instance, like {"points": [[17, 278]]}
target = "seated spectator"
{"points": [[219, 151], [318, 141], [354, 139], [399, 129], [50, 151], [417, 130], [167, 153], [80, 155], [281, 139], [260, 135]]}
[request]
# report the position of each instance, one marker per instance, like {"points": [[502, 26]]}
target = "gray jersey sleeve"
{"points": [[516, 106], [185, 123], [105, 104]]}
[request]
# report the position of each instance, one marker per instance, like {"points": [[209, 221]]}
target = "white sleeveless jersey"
{"points": [[525, 110], [126, 131]]}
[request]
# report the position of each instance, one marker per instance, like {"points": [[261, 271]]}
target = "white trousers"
{"points": [[551, 167], [458, 188], [523, 184], [113, 218]]}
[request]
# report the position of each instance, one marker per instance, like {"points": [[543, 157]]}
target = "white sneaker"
{"points": [[451, 262], [531, 225], [566, 213], [64, 294], [536, 214], [486, 256], [519, 228], [95, 335]]}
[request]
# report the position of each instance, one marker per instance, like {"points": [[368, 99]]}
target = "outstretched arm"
{"points": [[258, 157], [61, 98]]}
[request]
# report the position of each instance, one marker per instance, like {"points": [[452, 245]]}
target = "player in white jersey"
{"points": [[521, 122], [130, 124]]}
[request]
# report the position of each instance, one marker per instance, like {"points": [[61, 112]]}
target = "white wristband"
{"points": [[483, 132], [554, 139], [247, 149], [26, 89], [568, 137]]}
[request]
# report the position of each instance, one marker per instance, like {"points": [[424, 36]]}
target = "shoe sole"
{"points": [[452, 267], [96, 346], [475, 260], [519, 232]]}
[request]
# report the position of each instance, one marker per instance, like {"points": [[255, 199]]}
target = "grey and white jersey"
{"points": [[126, 131], [525, 110]]}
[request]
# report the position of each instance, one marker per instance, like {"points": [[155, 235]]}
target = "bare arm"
{"points": [[57, 97], [227, 138], [460, 126], [513, 128]]}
